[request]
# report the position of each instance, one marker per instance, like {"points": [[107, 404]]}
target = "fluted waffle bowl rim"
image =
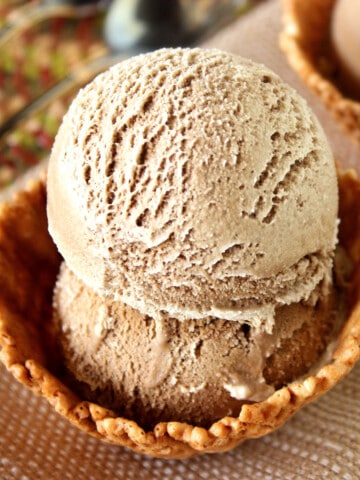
{"points": [[28, 265]]}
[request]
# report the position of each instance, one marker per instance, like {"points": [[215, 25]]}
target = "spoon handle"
{"points": [[76, 79], [31, 13]]}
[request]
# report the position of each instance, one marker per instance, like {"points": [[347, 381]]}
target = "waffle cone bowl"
{"points": [[29, 263], [305, 39]]}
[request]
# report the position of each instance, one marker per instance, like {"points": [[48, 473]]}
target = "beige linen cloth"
{"points": [[321, 442]]}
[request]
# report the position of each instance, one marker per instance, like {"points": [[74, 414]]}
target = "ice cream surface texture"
{"points": [[194, 371], [192, 183], [194, 199]]}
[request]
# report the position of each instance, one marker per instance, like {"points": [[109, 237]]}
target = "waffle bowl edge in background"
{"points": [[28, 267], [305, 40]]}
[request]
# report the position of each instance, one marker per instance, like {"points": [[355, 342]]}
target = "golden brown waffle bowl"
{"points": [[305, 41], [28, 266]]}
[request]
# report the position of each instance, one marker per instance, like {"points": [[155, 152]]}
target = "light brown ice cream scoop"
{"points": [[193, 183]]}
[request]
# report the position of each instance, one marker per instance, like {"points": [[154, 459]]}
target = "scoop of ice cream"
{"points": [[193, 183], [194, 371], [345, 37]]}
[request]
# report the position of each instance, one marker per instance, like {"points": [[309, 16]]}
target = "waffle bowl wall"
{"points": [[29, 263]]}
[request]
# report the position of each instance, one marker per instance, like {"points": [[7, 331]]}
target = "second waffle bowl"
{"points": [[305, 40]]}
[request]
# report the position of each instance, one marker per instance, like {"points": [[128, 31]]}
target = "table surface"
{"points": [[321, 441]]}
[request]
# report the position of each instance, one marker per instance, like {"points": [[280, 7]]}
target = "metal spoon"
{"points": [[30, 14], [139, 25]]}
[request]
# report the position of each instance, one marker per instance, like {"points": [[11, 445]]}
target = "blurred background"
{"points": [[50, 48]]}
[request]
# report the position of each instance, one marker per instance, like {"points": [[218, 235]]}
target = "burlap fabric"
{"points": [[322, 441]]}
